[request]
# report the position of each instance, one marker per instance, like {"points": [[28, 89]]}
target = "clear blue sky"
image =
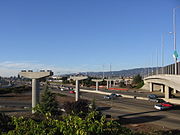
{"points": [[83, 35]]}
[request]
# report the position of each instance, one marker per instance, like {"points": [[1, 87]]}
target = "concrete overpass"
{"points": [[168, 83]]}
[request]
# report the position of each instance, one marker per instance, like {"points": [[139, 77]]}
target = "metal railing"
{"points": [[169, 69]]}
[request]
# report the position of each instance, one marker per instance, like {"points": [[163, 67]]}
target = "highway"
{"points": [[129, 111], [135, 111]]}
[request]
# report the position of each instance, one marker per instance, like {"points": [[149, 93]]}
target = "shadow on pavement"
{"points": [[131, 114], [103, 108], [140, 119]]}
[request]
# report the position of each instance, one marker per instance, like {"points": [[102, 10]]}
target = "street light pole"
{"points": [[157, 68], [162, 53], [174, 33], [103, 71]]}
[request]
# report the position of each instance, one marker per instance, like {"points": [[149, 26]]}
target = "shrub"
{"points": [[31, 127], [69, 125], [80, 107], [139, 85], [5, 123]]}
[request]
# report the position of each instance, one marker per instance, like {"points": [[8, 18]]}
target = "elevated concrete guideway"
{"points": [[166, 82], [35, 76], [97, 83], [77, 79]]}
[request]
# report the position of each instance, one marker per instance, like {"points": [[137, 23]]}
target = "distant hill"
{"points": [[124, 73]]}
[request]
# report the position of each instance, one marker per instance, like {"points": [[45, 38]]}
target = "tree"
{"points": [[88, 82], [137, 79], [48, 103], [122, 84]]}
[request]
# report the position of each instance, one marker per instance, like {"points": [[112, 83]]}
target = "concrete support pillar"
{"points": [[35, 93], [110, 85], [97, 85], [151, 87], [35, 76], [126, 82], [77, 90], [162, 88], [107, 84], [167, 92], [77, 78], [114, 83], [174, 91]]}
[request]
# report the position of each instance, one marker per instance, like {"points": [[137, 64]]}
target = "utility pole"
{"points": [[175, 55]]}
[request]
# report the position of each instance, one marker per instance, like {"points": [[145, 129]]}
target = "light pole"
{"points": [[157, 68], [174, 33], [162, 53], [103, 71]]}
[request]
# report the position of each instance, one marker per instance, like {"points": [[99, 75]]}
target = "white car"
{"points": [[161, 107], [62, 89]]}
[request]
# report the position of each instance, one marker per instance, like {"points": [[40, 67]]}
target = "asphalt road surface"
{"points": [[135, 111], [132, 111]]}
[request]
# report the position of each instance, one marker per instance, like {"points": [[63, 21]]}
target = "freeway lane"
{"points": [[136, 111], [15, 103]]}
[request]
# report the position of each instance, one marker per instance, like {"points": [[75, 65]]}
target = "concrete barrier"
{"points": [[93, 91], [142, 98], [128, 96], [105, 93], [174, 101]]}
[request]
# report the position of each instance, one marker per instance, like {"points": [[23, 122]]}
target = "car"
{"points": [[111, 96], [114, 95], [157, 100], [152, 96], [160, 100], [67, 88], [72, 92], [164, 106], [62, 89], [70, 88], [167, 104], [107, 97], [161, 107]]}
